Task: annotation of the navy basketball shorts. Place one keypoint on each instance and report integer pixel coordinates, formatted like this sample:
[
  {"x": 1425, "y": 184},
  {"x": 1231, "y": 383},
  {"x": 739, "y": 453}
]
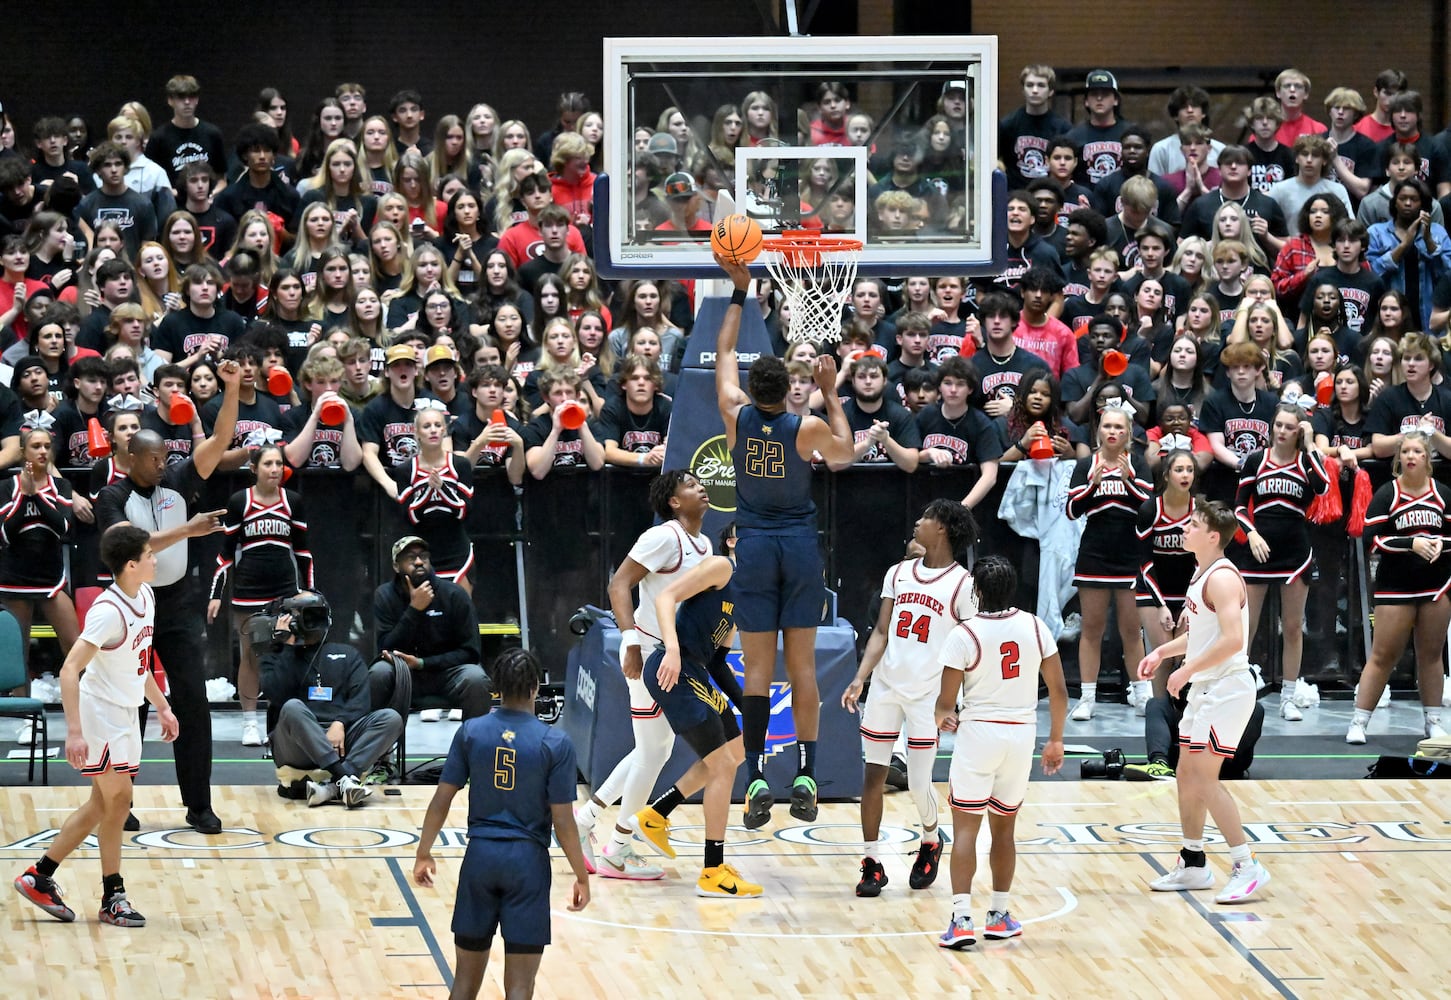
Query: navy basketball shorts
[
  {"x": 695, "y": 708},
  {"x": 778, "y": 582},
  {"x": 504, "y": 885}
]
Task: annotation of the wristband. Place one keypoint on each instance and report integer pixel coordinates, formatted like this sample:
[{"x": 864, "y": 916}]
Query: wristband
[
  {"x": 420, "y": 663},
  {"x": 630, "y": 639},
  {"x": 738, "y": 297}
]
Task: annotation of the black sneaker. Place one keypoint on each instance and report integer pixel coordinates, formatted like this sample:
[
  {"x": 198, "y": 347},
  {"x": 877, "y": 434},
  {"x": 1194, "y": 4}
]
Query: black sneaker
[
  {"x": 204, "y": 821},
  {"x": 132, "y": 824},
  {"x": 874, "y": 876},
  {"x": 803, "y": 798},
  {"x": 296, "y": 790},
  {"x": 897, "y": 774},
  {"x": 117, "y": 910},
  {"x": 758, "y": 805},
  {"x": 924, "y": 869}
]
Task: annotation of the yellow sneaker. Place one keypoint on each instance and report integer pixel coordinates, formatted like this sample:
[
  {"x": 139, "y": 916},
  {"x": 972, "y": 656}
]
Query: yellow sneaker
[
  {"x": 725, "y": 882},
  {"x": 655, "y": 829}
]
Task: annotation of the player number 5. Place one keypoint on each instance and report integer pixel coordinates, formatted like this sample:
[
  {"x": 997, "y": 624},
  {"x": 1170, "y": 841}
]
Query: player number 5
[{"x": 504, "y": 769}]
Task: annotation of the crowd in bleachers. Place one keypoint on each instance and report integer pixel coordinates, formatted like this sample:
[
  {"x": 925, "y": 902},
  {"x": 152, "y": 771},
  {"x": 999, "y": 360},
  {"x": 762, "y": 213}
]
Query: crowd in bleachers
[{"x": 381, "y": 273}]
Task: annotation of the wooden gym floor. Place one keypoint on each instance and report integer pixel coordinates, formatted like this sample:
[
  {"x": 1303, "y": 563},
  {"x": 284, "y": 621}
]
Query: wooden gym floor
[{"x": 293, "y": 902}]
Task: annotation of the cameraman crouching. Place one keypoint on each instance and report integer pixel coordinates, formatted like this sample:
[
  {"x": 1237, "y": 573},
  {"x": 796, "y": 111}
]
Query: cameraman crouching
[{"x": 318, "y": 711}]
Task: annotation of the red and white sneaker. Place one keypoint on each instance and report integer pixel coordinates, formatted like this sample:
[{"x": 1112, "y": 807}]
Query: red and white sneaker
[{"x": 44, "y": 893}]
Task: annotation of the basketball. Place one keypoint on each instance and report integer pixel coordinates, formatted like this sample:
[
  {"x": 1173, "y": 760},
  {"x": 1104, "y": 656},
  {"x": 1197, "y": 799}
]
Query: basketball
[{"x": 736, "y": 238}]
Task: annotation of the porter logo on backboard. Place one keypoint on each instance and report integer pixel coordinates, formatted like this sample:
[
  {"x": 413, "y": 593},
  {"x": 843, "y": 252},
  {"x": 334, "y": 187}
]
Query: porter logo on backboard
[{"x": 713, "y": 466}]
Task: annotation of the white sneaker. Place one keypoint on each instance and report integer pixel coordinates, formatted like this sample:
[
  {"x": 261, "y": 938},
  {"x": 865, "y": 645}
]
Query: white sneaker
[
  {"x": 252, "y": 735},
  {"x": 587, "y": 844},
  {"x": 25, "y": 735},
  {"x": 1083, "y": 711},
  {"x": 1355, "y": 735},
  {"x": 352, "y": 791},
  {"x": 1290, "y": 712},
  {"x": 1435, "y": 731},
  {"x": 431, "y": 715},
  {"x": 455, "y": 715},
  {"x": 1184, "y": 877},
  {"x": 626, "y": 864},
  {"x": 321, "y": 793},
  {"x": 1245, "y": 879}
]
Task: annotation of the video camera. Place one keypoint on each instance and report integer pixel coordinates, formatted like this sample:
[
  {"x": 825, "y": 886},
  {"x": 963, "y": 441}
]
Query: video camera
[
  {"x": 309, "y": 620},
  {"x": 1111, "y": 767}
]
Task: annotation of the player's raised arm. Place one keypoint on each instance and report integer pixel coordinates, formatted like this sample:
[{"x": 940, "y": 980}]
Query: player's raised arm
[
  {"x": 831, "y": 439},
  {"x": 728, "y": 393}
]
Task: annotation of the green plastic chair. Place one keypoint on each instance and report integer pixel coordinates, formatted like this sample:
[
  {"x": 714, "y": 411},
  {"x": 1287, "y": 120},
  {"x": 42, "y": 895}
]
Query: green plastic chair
[{"x": 13, "y": 675}]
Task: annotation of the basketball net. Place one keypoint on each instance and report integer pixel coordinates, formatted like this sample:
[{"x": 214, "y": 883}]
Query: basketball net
[{"x": 815, "y": 274}]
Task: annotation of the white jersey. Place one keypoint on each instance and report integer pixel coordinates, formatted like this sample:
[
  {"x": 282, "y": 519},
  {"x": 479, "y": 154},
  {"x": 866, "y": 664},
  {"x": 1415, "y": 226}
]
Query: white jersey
[
  {"x": 927, "y": 604},
  {"x": 665, "y": 550},
  {"x": 1000, "y": 655},
  {"x": 1204, "y": 624},
  {"x": 120, "y": 628}
]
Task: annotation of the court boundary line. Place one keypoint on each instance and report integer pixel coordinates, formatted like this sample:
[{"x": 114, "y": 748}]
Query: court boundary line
[
  {"x": 414, "y": 919},
  {"x": 1219, "y": 927}
]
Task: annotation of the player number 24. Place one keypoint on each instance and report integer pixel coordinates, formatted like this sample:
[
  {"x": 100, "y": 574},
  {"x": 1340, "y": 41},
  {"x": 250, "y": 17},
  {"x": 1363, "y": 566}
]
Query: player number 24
[
  {"x": 765, "y": 459},
  {"x": 907, "y": 627}
]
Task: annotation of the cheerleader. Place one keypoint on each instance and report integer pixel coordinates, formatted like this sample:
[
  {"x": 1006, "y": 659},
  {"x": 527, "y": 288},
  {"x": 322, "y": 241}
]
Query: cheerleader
[
  {"x": 265, "y": 555},
  {"x": 1276, "y": 488},
  {"x": 1107, "y": 489},
  {"x": 1167, "y": 568},
  {"x": 436, "y": 490},
  {"x": 1410, "y": 524},
  {"x": 35, "y": 521}
]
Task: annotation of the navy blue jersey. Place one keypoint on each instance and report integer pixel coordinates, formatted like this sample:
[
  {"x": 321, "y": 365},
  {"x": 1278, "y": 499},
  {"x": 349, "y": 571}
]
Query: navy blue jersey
[
  {"x": 704, "y": 622},
  {"x": 773, "y": 482},
  {"x": 516, "y": 767}
]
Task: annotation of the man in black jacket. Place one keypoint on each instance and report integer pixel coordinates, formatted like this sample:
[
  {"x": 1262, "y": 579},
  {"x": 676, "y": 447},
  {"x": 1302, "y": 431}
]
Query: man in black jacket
[
  {"x": 319, "y": 715},
  {"x": 428, "y": 638}
]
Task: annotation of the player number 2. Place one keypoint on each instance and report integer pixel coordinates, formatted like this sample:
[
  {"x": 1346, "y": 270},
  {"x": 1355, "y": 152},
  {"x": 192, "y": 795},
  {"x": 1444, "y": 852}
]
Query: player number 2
[
  {"x": 1010, "y": 660},
  {"x": 504, "y": 769},
  {"x": 907, "y": 628},
  {"x": 765, "y": 459}
]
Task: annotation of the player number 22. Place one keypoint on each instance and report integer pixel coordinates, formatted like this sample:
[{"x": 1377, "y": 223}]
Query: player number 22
[
  {"x": 504, "y": 769},
  {"x": 907, "y": 628},
  {"x": 1010, "y": 660},
  {"x": 765, "y": 459}
]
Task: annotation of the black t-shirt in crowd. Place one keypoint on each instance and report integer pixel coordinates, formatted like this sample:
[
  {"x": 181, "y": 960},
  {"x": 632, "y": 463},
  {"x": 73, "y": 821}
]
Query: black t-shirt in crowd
[
  {"x": 1023, "y": 144},
  {"x": 217, "y": 229},
  {"x": 901, "y": 426},
  {"x": 390, "y": 427},
  {"x": 241, "y": 197},
  {"x": 174, "y": 147},
  {"x": 261, "y": 415},
  {"x": 1103, "y": 152},
  {"x": 631, "y": 432},
  {"x": 130, "y": 212},
  {"x": 1360, "y": 291},
  {"x": 182, "y": 332},
  {"x": 972, "y": 438},
  {"x": 1199, "y": 216}
]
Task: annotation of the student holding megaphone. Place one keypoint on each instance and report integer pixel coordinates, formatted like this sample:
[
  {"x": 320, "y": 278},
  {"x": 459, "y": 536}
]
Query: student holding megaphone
[{"x": 1106, "y": 365}]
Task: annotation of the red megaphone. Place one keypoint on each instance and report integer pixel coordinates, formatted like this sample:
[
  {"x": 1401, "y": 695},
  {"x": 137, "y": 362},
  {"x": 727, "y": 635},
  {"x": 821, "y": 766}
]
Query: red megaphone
[
  {"x": 279, "y": 383},
  {"x": 497, "y": 417},
  {"x": 97, "y": 444},
  {"x": 1041, "y": 447},
  {"x": 1115, "y": 363},
  {"x": 572, "y": 415},
  {"x": 333, "y": 412},
  {"x": 1324, "y": 388},
  {"x": 182, "y": 410}
]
